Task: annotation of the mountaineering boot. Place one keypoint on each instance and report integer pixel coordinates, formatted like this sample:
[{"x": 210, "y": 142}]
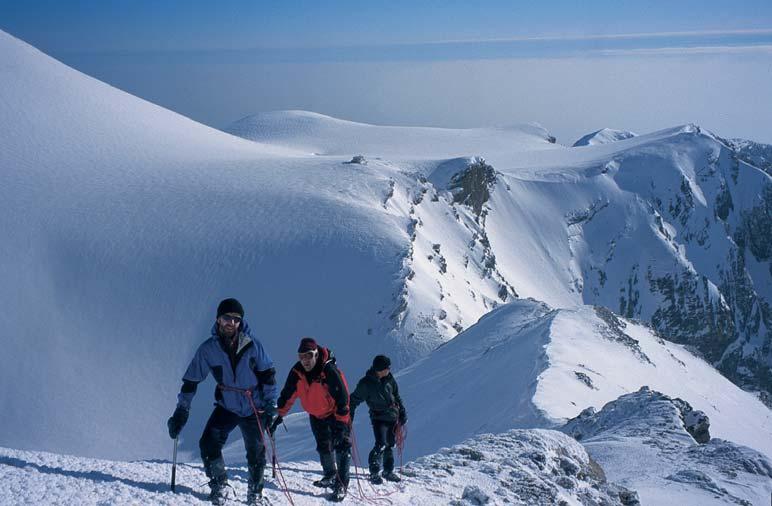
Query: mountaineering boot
[
  {"x": 218, "y": 481},
  {"x": 375, "y": 478},
  {"x": 255, "y": 487},
  {"x": 219, "y": 491},
  {"x": 328, "y": 468},
  {"x": 391, "y": 476},
  {"x": 338, "y": 492}
]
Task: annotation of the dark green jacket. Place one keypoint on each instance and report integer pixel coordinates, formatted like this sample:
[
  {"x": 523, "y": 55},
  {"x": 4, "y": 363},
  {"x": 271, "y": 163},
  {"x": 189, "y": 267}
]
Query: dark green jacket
[{"x": 381, "y": 396}]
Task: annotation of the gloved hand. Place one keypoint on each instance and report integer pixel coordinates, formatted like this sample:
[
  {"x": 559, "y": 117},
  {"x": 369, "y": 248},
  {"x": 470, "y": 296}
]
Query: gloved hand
[
  {"x": 177, "y": 421},
  {"x": 275, "y": 425},
  {"x": 270, "y": 411},
  {"x": 402, "y": 418}
]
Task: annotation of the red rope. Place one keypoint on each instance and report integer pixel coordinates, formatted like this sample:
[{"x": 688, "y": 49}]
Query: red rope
[
  {"x": 282, "y": 482},
  {"x": 400, "y": 434},
  {"x": 380, "y": 496}
]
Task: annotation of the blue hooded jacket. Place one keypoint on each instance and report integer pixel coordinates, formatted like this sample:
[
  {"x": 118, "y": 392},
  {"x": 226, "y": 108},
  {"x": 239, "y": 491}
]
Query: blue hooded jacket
[{"x": 253, "y": 370}]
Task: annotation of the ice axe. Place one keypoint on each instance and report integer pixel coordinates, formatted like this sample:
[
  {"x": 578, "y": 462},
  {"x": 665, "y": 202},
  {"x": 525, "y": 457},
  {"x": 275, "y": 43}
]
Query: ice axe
[
  {"x": 273, "y": 456},
  {"x": 174, "y": 467}
]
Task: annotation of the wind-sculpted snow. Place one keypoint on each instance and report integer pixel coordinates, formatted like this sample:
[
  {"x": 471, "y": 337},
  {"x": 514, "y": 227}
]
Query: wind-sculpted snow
[
  {"x": 324, "y": 135},
  {"x": 641, "y": 441},
  {"x": 603, "y": 136}
]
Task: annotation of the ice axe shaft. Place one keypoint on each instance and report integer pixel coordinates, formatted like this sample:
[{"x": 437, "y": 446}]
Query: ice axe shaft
[
  {"x": 273, "y": 457},
  {"x": 174, "y": 467}
]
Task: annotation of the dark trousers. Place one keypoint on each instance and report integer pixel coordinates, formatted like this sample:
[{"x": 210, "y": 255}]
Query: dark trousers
[
  {"x": 219, "y": 425},
  {"x": 385, "y": 439},
  {"x": 333, "y": 436}
]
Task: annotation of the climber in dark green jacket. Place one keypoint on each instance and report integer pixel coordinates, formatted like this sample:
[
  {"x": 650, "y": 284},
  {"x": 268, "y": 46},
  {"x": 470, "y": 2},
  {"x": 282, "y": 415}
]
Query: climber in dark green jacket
[{"x": 379, "y": 390}]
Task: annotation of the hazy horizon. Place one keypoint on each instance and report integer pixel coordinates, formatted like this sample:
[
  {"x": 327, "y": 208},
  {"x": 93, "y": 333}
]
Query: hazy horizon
[{"x": 573, "y": 70}]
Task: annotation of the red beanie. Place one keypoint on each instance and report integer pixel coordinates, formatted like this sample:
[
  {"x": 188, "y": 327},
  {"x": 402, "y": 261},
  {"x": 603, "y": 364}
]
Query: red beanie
[{"x": 307, "y": 344}]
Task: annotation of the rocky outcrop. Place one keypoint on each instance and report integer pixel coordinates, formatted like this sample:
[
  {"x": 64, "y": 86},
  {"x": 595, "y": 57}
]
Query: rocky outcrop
[
  {"x": 472, "y": 186},
  {"x": 535, "y": 467},
  {"x": 671, "y": 441}
]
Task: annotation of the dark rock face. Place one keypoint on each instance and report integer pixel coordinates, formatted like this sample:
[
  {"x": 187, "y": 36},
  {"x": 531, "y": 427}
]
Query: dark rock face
[
  {"x": 690, "y": 315},
  {"x": 753, "y": 153},
  {"x": 715, "y": 215},
  {"x": 472, "y": 186},
  {"x": 697, "y": 424}
]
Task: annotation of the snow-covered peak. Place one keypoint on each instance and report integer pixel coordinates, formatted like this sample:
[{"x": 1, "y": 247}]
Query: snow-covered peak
[
  {"x": 604, "y": 136},
  {"x": 526, "y": 365},
  {"x": 324, "y": 135},
  {"x": 52, "y": 113}
]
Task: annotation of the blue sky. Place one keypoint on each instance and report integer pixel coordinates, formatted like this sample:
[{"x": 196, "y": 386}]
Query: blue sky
[
  {"x": 444, "y": 63},
  {"x": 59, "y": 26}
]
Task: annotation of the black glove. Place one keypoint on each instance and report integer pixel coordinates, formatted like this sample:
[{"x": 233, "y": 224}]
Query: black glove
[
  {"x": 177, "y": 422},
  {"x": 402, "y": 418},
  {"x": 275, "y": 425}
]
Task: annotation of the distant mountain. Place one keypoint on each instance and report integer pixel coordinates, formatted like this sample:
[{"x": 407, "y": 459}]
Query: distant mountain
[{"x": 604, "y": 136}]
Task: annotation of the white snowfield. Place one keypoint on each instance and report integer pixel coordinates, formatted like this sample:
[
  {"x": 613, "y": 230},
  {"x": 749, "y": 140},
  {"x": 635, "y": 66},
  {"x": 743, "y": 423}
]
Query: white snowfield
[
  {"x": 126, "y": 223},
  {"x": 537, "y": 467}
]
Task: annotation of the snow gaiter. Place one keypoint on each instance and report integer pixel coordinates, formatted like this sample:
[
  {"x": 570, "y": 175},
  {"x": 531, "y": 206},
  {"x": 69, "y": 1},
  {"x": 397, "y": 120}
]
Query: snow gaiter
[
  {"x": 374, "y": 459},
  {"x": 328, "y": 464},
  {"x": 256, "y": 478},
  {"x": 215, "y": 469},
  {"x": 344, "y": 462},
  {"x": 388, "y": 460}
]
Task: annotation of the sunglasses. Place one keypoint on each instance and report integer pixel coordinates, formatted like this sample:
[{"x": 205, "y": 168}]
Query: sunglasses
[
  {"x": 230, "y": 319},
  {"x": 307, "y": 355}
]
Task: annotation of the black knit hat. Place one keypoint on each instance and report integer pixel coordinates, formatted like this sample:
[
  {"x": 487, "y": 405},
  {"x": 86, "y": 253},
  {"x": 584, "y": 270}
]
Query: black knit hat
[
  {"x": 381, "y": 362},
  {"x": 307, "y": 344},
  {"x": 230, "y": 306}
]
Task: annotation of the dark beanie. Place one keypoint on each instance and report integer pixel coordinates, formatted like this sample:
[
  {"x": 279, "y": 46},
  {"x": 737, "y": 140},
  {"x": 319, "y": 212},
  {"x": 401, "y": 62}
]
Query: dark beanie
[
  {"x": 307, "y": 344},
  {"x": 381, "y": 362},
  {"x": 230, "y": 306}
]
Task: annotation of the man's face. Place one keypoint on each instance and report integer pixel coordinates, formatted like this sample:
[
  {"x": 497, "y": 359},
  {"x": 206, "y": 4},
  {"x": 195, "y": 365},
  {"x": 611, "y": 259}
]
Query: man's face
[
  {"x": 308, "y": 359},
  {"x": 384, "y": 373},
  {"x": 228, "y": 324}
]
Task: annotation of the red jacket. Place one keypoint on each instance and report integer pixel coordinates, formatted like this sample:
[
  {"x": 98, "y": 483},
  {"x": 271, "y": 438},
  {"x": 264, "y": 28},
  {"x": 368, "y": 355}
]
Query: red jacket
[{"x": 323, "y": 391}]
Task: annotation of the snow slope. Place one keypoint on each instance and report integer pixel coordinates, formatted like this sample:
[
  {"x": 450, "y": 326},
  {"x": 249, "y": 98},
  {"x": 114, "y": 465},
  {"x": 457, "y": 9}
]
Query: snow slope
[
  {"x": 536, "y": 467},
  {"x": 130, "y": 223},
  {"x": 324, "y": 135},
  {"x": 526, "y": 365}
]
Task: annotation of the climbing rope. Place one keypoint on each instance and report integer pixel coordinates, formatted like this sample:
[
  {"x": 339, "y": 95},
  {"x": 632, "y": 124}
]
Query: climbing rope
[{"x": 248, "y": 394}]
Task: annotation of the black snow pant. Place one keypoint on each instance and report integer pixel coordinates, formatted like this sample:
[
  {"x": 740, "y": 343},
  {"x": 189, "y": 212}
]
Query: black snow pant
[
  {"x": 385, "y": 439},
  {"x": 332, "y": 435},
  {"x": 220, "y": 424}
]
